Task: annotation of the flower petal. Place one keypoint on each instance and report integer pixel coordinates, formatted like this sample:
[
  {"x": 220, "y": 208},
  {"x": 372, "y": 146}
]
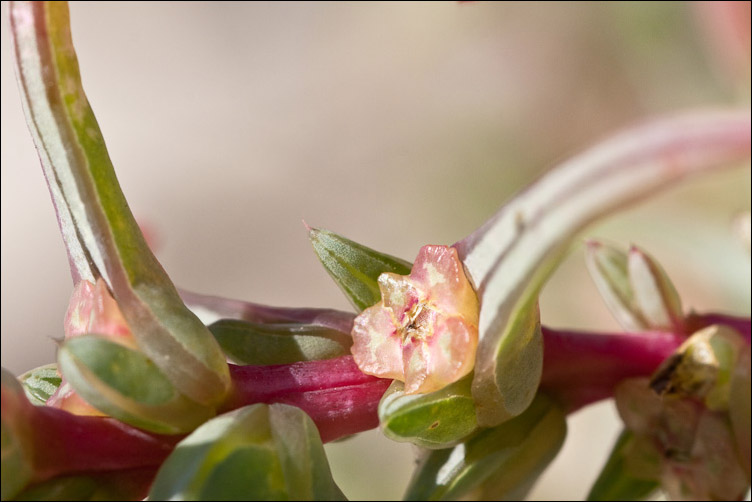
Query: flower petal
[
  {"x": 446, "y": 355},
  {"x": 398, "y": 293},
  {"x": 438, "y": 271},
  {"x": 92, "y": 309},
  {"x": 376, "y": 343}
]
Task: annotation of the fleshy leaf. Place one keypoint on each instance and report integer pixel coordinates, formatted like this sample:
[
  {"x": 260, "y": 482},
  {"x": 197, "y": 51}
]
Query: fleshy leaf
[
  {"x": 40, "y": 383},
  {"x": 510, "y": 257},
  {"x": 126, "y": 385},
  {"x": 100, "y": 233},
  {"x": 500, "y": 463},
  {"x": 608, "y": 268},
  {"x": 211, "y": 309},
  {"x": 436, "y": 420},
  {"x": 355, "y": 268},
  {"x": 615, "y": 481},
  {"x": 17, "y": 462},
  {"x": 635, "y": 288},
  {"x": 259, "y": 452},
  {"x": 266, "y": 344},
  {"x": 654, "y": 292}
]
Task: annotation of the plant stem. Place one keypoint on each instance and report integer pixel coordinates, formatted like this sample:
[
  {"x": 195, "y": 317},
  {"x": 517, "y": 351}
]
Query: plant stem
[
  {"x": 339, "y": 398},
  {"x": 580, "y": 368},
  {"x": 696, "y": 322}
]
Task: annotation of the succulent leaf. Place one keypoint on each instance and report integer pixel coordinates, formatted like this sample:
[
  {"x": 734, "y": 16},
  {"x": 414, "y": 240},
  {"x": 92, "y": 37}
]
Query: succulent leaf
[
  {"x": 616, "y": 482},
  {"x": 510, "y": 257},
  {"x": 101, "y": 235},
  {"x": 500, "y": 463},
  {"x": 40, "y": 383},
  {"x": 126, "y": 385},
  {"x": 354, "y": 267},
  {"x": 267, "y": 344},
  {"x": 435, "y": 420},
  {"x": 259, "y": 452}
]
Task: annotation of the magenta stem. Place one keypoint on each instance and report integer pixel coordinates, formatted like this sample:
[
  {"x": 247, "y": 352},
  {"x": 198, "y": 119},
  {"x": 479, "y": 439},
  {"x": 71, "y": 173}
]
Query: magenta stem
[
  {"x": 99, "y": 443},
  {"x": 339, "y": 398},
  {"x": 696, "y": 322},
  {"x": 579, "y": 368}
]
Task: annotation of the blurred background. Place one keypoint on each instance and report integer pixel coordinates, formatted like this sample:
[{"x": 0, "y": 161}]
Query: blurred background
[{"x": 394, "y": 124}]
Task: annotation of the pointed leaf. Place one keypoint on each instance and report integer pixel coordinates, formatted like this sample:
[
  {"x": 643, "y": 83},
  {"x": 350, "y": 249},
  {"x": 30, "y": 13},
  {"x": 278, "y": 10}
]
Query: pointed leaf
[
  {"x": 435, "y": 420},
  {"x": 608, "y": 268},
  {"x": 654, "y": 292},
  {"x": 214, "y": 308},
  {"x": 355, "y": 268},
  {"x": 267, "y": 344},
  {"x": 40, "y": 383},
  {"x": 615, "y": 481},
  {"x": 510, "y": 257},
  {"x": 126, "y": 385},
  {"x": 635, "y": 288},
  {"x": 99, "y": 230},
  {"x": 500, "y": 463},
  {"x": 259, "y": 452}
]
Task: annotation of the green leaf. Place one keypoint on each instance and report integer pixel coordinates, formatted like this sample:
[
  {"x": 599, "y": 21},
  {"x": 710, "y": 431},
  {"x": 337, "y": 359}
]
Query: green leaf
[
  {"x": 15, "y": 438},
  {"x": 608, "y": 268},
  {"x": 40, "y": 383},
  {"x": 635, "y": 288},
  {"x": 517, "y": 369},
  {"x": 500, "y": 463},
  {"x": 266, "y": 344},
  {"x": 211, "y": 309},
  {"x": 259, "y": 452},
  {"x": 435, "y": 420},
  {"x": 615, "y": 481},
  {"x": 126, "y": 385},
  {"x": 654, "y": 292},
  {"x": 100, "y": 233},
  {"x": 355, "y": 268},
  {"x": 510, "y": 257}
]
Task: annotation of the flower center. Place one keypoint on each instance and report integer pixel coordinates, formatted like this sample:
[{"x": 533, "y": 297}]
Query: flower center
[{"x": 416, "y": 322}]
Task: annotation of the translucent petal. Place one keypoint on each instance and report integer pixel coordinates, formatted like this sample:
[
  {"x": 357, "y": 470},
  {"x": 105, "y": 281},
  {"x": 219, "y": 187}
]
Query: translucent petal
[
  {"x": 446, "y": 355},
  {"x": 439, "y": 272},
  {"x": 398, "y": 293},
  {"x": 92, "y": 309},
  {"x": 377, "y": 345}
]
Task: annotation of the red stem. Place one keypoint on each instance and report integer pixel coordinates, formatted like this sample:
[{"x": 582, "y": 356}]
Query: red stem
[
  {"x": 579, "y": 369},
  {"x": 582, "y": 368},
  {"x": 695, "y": 322},
  {"x": 339, "y": 398},
  {"x": 64, "y": 442}
]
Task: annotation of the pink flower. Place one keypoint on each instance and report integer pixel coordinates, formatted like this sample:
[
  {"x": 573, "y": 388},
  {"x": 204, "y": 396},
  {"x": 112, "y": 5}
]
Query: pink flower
[
  {"x": 91, "y": 309},
  {"x": 424, "y": 332}
]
